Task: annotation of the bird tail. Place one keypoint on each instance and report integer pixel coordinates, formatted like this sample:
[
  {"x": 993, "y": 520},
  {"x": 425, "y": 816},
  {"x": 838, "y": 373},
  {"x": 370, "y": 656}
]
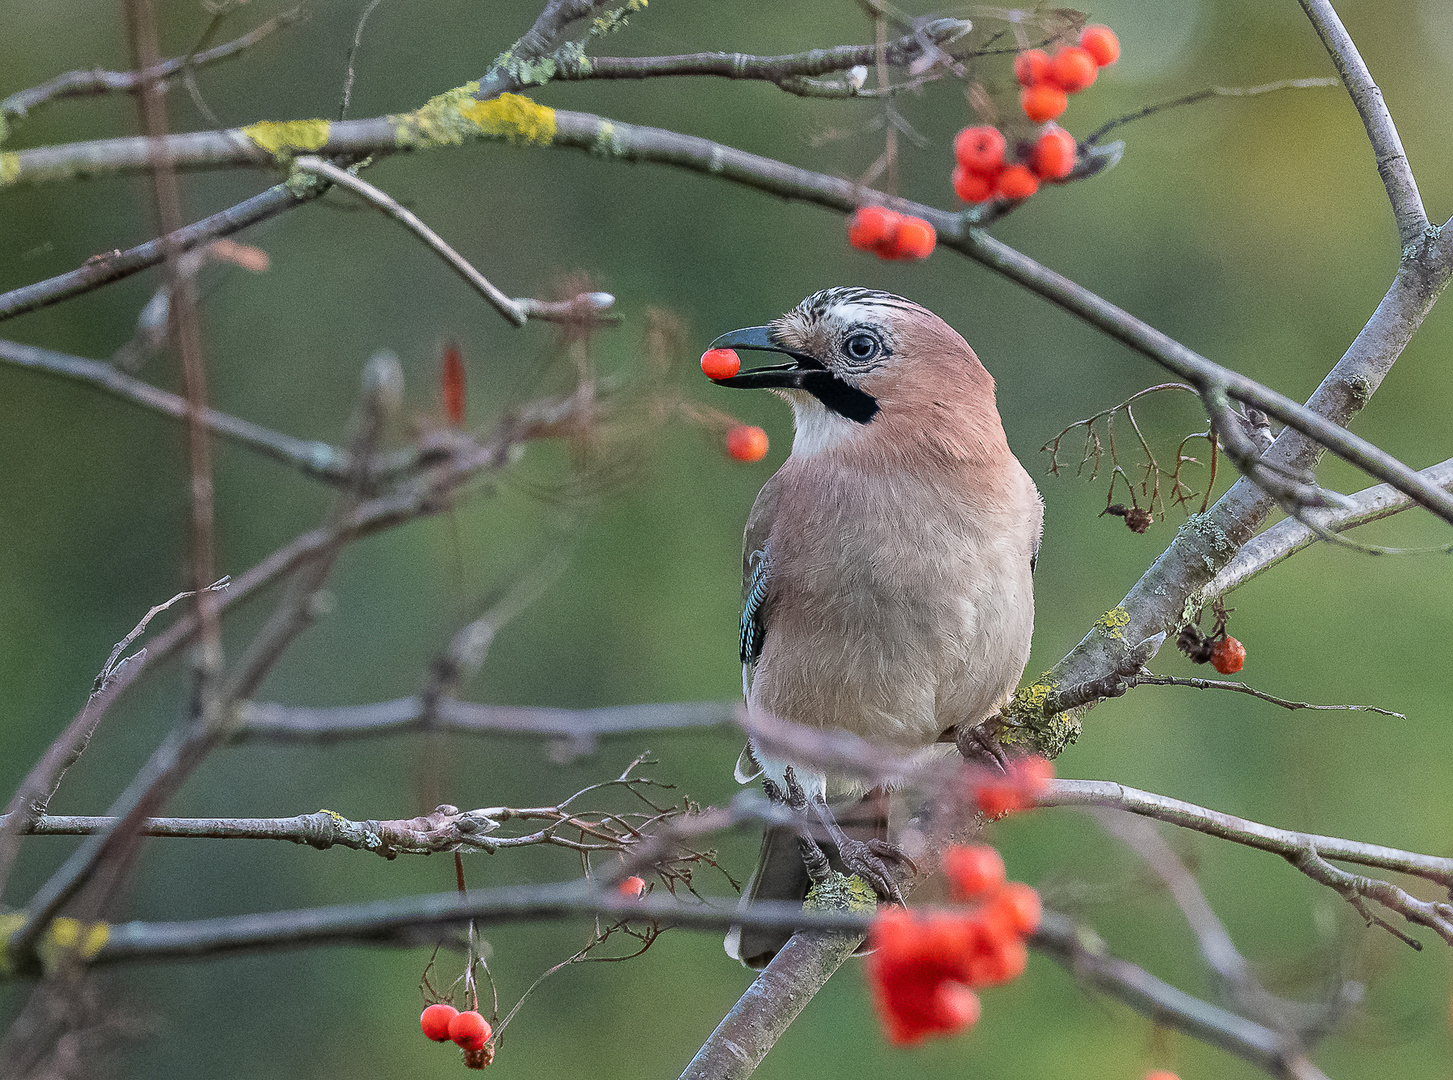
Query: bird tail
[{"x": 782, "y": 875}]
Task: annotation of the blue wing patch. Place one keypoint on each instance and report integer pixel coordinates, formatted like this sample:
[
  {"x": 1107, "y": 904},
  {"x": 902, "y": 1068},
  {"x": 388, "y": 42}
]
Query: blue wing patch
[{"x": 754, "y": 629}]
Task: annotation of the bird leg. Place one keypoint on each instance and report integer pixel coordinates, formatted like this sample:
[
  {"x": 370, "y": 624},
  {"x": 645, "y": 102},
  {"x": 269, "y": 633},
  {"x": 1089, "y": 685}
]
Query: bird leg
[
  {"x": 866, "y": 858},
  {"x": 818, "y": 867}
]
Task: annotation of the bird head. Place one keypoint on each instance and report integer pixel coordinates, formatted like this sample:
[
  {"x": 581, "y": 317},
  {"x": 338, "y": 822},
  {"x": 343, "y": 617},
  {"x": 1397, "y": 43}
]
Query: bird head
[{"x": 866, "y": 365}]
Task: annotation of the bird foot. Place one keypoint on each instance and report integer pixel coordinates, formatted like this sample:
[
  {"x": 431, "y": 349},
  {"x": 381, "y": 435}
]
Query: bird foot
[
  {"x": 877, "y": 863},
  {"x": 977, "y": 744},
  {"x": 819, "y": 868}
]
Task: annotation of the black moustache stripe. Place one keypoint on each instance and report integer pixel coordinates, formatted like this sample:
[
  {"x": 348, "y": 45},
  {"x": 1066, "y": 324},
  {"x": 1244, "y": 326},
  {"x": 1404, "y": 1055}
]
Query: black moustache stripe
[{"x": 838, "y": 396}]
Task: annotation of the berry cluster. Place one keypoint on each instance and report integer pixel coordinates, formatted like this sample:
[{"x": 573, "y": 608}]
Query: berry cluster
[
  {"x": 983, "y": 169},
  {"x": 924, "y": 967},
  {"x": 890, "y": 235},
  {"x": 442, "y": 1022},
  {"x": 1016, "y": 788}
]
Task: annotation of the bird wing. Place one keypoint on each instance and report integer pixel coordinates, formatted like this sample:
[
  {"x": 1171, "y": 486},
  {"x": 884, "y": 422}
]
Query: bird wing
[{"x": 756, "y": 581}]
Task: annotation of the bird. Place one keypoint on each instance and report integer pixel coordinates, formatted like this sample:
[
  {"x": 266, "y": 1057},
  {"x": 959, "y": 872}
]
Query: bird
[{"x": 887, "y": 566}]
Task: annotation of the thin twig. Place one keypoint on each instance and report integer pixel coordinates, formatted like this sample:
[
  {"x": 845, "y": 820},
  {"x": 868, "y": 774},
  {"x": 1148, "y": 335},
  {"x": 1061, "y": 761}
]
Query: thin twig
[
  {"x": 1241, "y": 688},
  {"x": 1205, "y": 95},
  {"x": 95, "y": 81},
  {"x": 307, "y": 456},
  {"x": 353, "y": 52}
]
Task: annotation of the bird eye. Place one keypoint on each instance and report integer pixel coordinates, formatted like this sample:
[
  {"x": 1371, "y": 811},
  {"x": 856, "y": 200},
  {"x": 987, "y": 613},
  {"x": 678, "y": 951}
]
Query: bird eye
[{"x": 863, "y": 347}]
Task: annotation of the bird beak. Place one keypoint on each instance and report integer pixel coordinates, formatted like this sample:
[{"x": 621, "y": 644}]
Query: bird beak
[
  {"x": 804, "y": 373},
  {"x": 778, "y": 375}
]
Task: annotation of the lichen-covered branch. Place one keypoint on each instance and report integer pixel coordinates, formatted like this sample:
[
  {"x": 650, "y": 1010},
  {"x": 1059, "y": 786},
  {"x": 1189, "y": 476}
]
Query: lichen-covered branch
[{"x": 1387, "y": 146}]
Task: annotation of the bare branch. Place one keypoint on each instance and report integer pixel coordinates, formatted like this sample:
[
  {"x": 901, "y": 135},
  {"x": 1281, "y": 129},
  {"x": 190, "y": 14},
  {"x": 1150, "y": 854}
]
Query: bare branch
[
  {"x": 578, "y": 729},
  {"x": 511, "y": 309},
  {"x": 1387, "y": 147},
  {"x": 1286, "y": 538},
  {"x": 312, "y": 458},
  {"x": 1205, "y": 95},
  {"x": 1084, "y": 954},
  {"x": 1148, "y": 679},
  {"x": 96, "y": 82}
]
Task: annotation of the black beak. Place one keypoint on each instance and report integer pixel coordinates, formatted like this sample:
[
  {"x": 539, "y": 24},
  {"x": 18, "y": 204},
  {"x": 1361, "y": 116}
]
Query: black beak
[{"x": 803, "y": 373}]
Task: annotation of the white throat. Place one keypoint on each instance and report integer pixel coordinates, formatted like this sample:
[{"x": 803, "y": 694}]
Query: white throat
[{"x": 818, "y": 428}]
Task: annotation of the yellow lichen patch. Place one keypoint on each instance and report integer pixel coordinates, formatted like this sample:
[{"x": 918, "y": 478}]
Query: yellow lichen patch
[
  {"x": 1029, "y": 700},
  {"x": 283, "y": 138},
  {"x": 513, "y": 117},
  {"x": 71, "y": 936},
  {"x": 1113, "y": 622},
  {"x": 9, "y": 167},
  {"x": 842, "y": 893}
]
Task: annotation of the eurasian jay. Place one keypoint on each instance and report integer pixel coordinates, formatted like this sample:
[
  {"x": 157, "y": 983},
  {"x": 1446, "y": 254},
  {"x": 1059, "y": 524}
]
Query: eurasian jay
[{"x": 887, "y": 566}]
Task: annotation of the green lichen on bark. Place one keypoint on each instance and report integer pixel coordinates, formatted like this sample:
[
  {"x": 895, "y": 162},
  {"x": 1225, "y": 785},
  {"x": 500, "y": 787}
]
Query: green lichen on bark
[{"x": 839, "y": 892}]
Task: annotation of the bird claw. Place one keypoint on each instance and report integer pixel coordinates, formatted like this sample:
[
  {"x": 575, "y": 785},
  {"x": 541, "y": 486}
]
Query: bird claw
[
  {"x": 976, "y": 744},
  {"x": 869, "y": 860}
]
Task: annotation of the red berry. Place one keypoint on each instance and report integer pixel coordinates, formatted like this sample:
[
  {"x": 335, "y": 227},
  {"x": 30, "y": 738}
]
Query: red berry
[
  {"x": 1228, "y": 656},
  {"x": 913, "y": 239},
  {"x": 470, "y": 1030},
  {"x": 1101, "y": 43},
  {"x": 745, "y": 442},
  {"x": 1073, "y": 69},
  {"x": 1161, "y": 1074},
  {"x": 1041, "y": 103},
  {"x": 1002, "y": 961},
  {"x": 972, "y": 187},
  {"x": 1017, "y": 905},
  {"x": 435, "y": 1021},
  {"x": 631, "y": 886},
  {"x": 872, "y": 227},
  {"x": 975, "y": 870},
  {"x": 1031, "y": 67},
  {"x": 1017, "y": 182},
  {"x": 980, "y": 149},
  {"x": 720, "y": 363},
  {"x": 1053, "y": 156}
]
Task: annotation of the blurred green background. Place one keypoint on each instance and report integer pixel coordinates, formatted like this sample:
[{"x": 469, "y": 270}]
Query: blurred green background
[{"x": 1256, "y": 231}]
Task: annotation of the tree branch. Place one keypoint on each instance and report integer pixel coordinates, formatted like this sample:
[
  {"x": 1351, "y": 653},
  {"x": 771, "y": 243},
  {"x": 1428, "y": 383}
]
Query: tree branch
[
  {"x": 312, "y": 458},
  {"x": 95, "y": 81},
  {"x": 1387, "y": 147},
  {"x": 1286, "y": 538}
]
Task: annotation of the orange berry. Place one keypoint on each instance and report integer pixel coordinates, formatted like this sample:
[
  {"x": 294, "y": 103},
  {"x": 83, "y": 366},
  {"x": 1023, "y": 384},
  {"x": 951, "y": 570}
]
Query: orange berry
[
  {"x": 1073, "y": 69},
  {"x": 1017, "y": 182},
  {"x": 872, "y": 227},
  {"x": 435, "y": 1021},
  {"x": 746, "y": 442},
  {"x": 631, "y": 886},
  {"x": 1018, "y": 906},
  {"x": 913, "y": 239},
  {"x": 720, "y": 363},
  {"x": 973, "y": 187},
  {"x": 1031, "y": 67},
  {"x": 1161, "y": 1074},
  {"x": 1043, "y": 102},
  {"x": 1228, "y": 655},
  {"x": 1053, "y": 156},
  {"x": 470, "y": 1030},
  {"x": 974, "y": 869},
  {"x": 980, "y": 149},
  {"x": 1101, "y": 43}
]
